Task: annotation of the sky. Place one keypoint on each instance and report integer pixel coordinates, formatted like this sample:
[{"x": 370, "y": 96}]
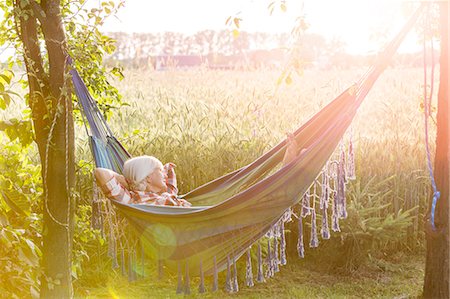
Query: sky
[{"x": 363, "y": 25}]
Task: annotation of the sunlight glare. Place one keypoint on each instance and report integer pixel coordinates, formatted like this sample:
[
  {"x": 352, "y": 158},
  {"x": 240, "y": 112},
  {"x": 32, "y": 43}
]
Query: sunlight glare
[{"x": 113, "y": 294}]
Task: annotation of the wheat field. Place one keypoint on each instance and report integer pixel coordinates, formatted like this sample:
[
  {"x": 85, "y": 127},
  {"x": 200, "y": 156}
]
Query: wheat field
[{"x": 176, "y": 114}]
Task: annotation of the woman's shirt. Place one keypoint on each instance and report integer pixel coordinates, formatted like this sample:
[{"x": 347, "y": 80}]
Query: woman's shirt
[{"x": 116, "y": 191}]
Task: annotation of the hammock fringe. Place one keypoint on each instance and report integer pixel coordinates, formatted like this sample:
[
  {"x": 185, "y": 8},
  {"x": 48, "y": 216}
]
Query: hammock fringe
[
  {"x": 201, "y": 287},
  {"x": 187, "y": 281},
  {"x": 249, "y": 273},
  {"x": 215, "y": 279}
]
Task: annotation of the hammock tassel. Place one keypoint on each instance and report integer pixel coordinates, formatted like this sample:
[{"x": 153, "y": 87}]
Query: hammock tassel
[
  {"x": 334, "y": 218},
  {"x": 113, "y": 246},
  {"x": 324, "y": 200},
  {"x": 228, "y": 286},
  {"x": 275, "y": 260},
  {"x": 282, "y": 245},
  {"x": 160, "y": 269},
  {"x": 123, "y": 262},
  {"x": 96, "y": 216},
  {"x": 180, "y": 280},
  {"x": 201, "y": 287},
  {"x": 351, "y": 169},
  {"x": 300, "y": 246},
  {"x": 306, "y": 210},
  {"x": 235, "y": 284},
  {"x": 131, "y": 276},
  {"x": 342, "y": 209},
  {"x": 187, "y": 287},
  {"x": 249, "y": 272},
  {"x": 142, "y": 260},
  {"x": 115, "y": 262},
  {"x": 215, "y": 279},
  {"x": 269, "y": 271},
  {"x": 135, "y": 261},
  {"x": 325, "y": 194},
  {"x": 260, "y": 277},
  {"x": 314, "y": 241},
  {"x": 325, "y": 231}
]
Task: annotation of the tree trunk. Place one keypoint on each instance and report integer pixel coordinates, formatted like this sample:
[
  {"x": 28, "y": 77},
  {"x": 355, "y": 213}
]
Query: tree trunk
[
  {"x": 436, "y": 284},
  {"x": 58, "y": 218},
  {"x": 51, "y": 106}
]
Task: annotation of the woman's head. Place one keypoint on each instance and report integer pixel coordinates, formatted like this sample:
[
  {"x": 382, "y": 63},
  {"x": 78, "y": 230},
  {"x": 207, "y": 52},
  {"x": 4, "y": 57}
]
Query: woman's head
[{"x": 145, "y": 173}]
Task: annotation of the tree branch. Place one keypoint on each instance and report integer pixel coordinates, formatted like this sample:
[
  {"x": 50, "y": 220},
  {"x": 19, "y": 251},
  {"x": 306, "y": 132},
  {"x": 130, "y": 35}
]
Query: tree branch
[
  {"x": 37, "y": 78},
  {"x": 38, "y": 11}
]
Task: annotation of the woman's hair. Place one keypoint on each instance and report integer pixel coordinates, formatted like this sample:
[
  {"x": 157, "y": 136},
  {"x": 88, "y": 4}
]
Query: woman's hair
[{"x": 137, "y": 169}]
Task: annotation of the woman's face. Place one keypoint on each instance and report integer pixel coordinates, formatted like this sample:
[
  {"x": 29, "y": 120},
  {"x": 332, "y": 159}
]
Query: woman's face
[{"x": 157, "y": 181}]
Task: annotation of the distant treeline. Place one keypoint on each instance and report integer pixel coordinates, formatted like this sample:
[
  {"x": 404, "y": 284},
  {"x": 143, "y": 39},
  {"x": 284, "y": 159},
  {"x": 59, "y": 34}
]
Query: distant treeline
[{"x": 220, "y": 49}]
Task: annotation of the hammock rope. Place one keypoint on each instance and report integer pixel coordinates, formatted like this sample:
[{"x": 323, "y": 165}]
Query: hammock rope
[
  {"x": 236, "y": 210},
  {"x": 427, "y": 99}
]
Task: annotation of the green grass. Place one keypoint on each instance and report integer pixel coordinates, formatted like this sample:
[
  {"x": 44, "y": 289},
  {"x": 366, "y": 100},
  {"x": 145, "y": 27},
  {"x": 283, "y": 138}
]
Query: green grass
[{"x": 401, "y": 276}]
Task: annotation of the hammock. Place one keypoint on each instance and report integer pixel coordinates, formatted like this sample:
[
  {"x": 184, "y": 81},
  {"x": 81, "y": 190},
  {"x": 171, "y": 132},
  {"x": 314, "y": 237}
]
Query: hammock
[{"x": 232, "y": 212}]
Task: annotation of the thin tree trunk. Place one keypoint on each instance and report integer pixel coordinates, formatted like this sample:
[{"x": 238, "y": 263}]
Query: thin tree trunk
[
  {"x": 436, "y": 284},
  {"x": 51, "y": 107},
  {"x": 58, "y": 213}
]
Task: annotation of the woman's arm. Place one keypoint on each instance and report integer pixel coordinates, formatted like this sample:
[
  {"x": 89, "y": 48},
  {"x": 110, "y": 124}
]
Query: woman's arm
[
  {"x": 171, "y": 178},
  {"x": 104, "y": 175},
  {"x": 112, "y": 184}
]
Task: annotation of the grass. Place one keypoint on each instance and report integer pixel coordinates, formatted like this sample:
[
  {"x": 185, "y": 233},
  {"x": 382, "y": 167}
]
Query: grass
[{"x": 400, "y": 276}]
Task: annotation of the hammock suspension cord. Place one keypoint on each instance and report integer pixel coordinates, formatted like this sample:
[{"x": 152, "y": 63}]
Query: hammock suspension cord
[{"x": 427, "y": 108}]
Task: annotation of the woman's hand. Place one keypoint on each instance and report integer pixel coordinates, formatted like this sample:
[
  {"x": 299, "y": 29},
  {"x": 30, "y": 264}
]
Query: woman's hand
[
  {"x": 185, "y": 203},
  {"x": 291, "y": 149}
]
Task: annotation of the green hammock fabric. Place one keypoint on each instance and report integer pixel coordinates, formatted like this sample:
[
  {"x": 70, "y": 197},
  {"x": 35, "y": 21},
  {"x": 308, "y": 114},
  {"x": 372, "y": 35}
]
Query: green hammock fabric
[{"x": 232, "y": 212}]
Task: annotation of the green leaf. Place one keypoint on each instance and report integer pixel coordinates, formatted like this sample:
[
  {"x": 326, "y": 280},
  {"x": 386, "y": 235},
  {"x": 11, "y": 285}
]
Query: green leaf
[
  {"x": 117, "y": 72},
  {"x": 16, "y": 201},
  {"x": 237, "y": 22},
  {"x": 227, "y": 22},
  {"x": 235, "y": 33},
  {"x": 271, "y": 7},
  {"x": 6, "y": 78},
  {"x": 280, "y": 79},
  {"x": 6, "y": 99},
  {"x": 288, "y": 80},
  {"x": 27, "y": 255}
]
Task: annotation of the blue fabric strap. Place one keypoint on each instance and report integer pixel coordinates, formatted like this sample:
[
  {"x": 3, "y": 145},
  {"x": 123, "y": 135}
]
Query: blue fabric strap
[{"x": 427, "y": 104}]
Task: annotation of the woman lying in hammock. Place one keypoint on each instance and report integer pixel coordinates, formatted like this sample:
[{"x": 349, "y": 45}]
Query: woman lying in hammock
[{"x": 147, "y": 181}]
